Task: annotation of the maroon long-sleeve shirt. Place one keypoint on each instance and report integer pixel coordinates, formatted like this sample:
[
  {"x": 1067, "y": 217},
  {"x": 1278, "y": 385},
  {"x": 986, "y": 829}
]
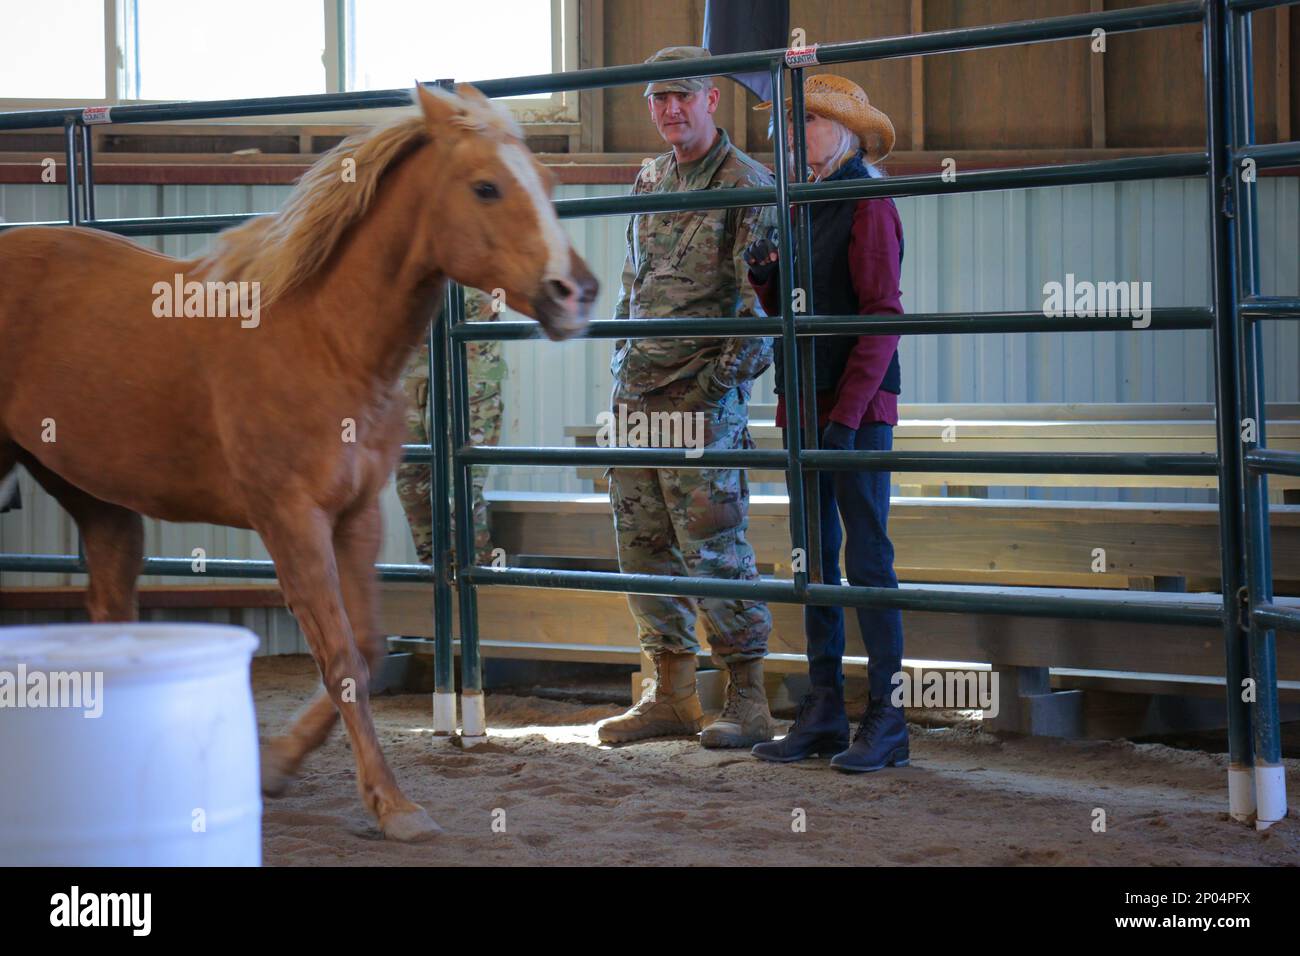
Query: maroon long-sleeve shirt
[{"x": 874, "y": 268}]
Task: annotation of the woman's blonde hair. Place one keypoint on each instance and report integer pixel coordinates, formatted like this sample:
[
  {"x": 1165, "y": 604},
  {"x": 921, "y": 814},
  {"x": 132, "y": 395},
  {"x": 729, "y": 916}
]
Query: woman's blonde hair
[{"x": 846, "y": 147}]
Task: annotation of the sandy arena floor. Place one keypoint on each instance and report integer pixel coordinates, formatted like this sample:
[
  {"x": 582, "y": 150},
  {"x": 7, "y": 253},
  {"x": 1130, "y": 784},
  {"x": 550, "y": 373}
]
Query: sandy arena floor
[{"x": 969, "y": 798}]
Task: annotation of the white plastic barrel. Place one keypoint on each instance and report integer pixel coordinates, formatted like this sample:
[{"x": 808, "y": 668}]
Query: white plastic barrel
[{"x": 165, "y": 775}]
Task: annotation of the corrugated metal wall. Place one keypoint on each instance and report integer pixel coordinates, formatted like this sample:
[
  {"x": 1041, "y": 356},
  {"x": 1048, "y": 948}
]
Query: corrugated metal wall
[
  {"x": 971, "y": 252},
  {"x": 276, "y": 628}
]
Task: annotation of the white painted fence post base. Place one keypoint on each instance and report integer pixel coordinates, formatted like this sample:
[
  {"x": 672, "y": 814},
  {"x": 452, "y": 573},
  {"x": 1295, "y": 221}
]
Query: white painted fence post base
[
  {"x": 444, "y": 714},
  {"x": 1270, "y": 793},
  {"x": 1241, "y": 793},
  {"x": 473, "y": 729}
]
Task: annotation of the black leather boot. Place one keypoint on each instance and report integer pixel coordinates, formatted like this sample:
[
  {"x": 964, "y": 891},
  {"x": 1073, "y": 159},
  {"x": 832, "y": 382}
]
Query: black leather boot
[
  {"x": 880, "y": 742},
  {"x": 821, "y": 728}
]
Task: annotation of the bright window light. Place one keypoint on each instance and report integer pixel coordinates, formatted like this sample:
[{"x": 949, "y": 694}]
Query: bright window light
[
  {"x": 224, "y": 49},
  {"x": 394, "y": 42},
  {"x": 53, "y": 49}
]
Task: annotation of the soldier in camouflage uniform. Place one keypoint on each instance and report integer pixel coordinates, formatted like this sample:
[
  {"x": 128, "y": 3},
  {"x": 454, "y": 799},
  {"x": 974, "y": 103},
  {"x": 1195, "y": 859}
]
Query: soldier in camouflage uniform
[
  {"x": 487, "y": 371},
  {"x": 691, "y": 521}
]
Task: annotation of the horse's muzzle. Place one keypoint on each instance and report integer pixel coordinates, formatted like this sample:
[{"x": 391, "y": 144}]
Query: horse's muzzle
[{"x": 563, "y": 305}]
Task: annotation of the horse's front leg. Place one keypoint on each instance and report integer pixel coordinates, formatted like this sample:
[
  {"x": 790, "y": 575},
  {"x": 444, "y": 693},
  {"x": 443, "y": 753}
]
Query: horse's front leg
[
  {"x": 357, "y": 539},
  {"x": 301, "y": 544}
]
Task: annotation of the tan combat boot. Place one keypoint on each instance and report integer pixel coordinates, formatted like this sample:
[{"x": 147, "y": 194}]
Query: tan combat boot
[
  {"x": 745, "y": 719},
  {"x": 670, "y": 706}
]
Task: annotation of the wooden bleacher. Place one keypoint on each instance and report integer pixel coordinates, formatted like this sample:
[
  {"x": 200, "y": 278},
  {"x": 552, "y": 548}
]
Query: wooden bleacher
[
  {"x": 1078, "y": 427},
  {"x": 958, "y": 540},
  {"x": 546, "y": 624},
  {"x": 1138, "y": 679},
  {"x": 972, "y": 541}
]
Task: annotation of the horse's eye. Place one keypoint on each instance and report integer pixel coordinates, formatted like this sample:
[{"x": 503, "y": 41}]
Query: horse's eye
[{"x": 486, "y": 191}]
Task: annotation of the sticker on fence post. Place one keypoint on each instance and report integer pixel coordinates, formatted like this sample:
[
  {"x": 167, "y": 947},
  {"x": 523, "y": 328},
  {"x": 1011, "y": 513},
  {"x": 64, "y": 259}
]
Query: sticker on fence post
[
  {"x": 798, "y": 56},
  {"x": 92, "y": 115}
]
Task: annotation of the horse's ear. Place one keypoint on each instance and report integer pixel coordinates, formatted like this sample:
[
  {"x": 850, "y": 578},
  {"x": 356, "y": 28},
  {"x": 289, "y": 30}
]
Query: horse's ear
[
  {"x": 472, "y": 92},
  {"x": 438, "y": 106}
]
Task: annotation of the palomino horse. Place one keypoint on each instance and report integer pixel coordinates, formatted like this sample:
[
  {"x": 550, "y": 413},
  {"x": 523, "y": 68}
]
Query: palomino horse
[{"x": 289, "y": 424}]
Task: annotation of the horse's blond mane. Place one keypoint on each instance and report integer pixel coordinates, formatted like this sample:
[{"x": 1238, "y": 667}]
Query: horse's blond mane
[{"x": 282, "y": 250}]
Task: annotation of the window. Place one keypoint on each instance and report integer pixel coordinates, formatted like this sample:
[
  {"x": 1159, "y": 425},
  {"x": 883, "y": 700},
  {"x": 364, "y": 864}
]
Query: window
[
  {"x": 52, "y": 50},
  {"x": 91, "y": 52},
  {"x": 222, "y": 49},
  {"x": 390, "y": 42}
]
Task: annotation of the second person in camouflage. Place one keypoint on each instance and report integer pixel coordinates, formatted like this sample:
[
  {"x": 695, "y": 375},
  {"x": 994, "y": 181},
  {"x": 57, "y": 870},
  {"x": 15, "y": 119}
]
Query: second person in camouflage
[{"x": 487, "y": 373}]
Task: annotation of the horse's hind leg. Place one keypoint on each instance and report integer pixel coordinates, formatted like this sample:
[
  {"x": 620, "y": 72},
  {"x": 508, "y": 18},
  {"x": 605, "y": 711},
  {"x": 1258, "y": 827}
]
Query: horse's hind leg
[
  {"x": 282, "y": 756},
  {"x": 301, "y": 543},
  {"x": 356, "y": 545},
  {"x": 113, "y": 539}
]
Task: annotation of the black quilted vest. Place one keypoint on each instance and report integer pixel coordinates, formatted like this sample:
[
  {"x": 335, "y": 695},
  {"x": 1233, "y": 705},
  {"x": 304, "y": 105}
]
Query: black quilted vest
[{"x": 832, "y": 224}]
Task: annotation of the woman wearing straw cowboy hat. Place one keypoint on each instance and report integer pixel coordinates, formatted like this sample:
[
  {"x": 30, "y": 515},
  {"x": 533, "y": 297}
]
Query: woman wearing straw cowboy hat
[{"x": 857, "y": 248}]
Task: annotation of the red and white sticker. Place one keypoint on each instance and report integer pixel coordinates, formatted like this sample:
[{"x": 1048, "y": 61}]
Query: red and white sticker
[
  {"x": 798, "y": 56},
  {"x": 96, "y": 114}
]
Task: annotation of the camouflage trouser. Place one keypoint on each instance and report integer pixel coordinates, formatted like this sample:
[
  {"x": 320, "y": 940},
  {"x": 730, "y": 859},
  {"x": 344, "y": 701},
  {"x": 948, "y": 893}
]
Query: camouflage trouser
[
  {"x": 690, "y": 521},
  {"x": 486, "y": 372}
]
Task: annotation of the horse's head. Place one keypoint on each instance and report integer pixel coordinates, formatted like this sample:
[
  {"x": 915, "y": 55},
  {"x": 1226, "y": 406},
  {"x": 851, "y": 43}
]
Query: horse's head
[{"x": 499, "y": 225}]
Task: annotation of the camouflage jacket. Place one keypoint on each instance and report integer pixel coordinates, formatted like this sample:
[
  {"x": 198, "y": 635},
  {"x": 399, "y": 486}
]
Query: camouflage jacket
[
  {"x": 487, "y": 368},
  {"x": 691, "y": 264}
]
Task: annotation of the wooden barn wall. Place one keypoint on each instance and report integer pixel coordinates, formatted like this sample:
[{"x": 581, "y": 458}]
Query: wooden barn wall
[{"x": 1023, "y": 97}]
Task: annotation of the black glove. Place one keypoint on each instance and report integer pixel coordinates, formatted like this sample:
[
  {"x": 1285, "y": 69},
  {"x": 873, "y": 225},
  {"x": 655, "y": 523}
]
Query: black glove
[
  {"x": 840, "y": 437},
  {"x": 761, "y": 257}
]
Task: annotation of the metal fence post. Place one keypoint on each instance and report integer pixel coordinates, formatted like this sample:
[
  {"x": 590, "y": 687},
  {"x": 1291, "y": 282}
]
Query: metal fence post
[
  {"x": 1241, "y": 790},
  {"x": 809, "y": 413},
  {"x": 789, "y": 341},
  {"x": 70, "y": 152},
  {"x": 440, "y": 465},
  {"x": 74, "y": 219},
  {"x": 472, "y": 713},
  {"x": 1269, "y": 773},
  {"x": 88, "y": 172}
]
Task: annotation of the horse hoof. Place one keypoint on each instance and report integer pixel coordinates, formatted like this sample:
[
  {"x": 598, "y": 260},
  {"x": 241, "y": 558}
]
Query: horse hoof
[
  {"x": 276, "y": 774},
  {"x": 409, "y": 826}
]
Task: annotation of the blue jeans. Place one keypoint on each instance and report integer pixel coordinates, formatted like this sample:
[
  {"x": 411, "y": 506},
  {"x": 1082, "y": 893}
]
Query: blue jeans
[{"x": 861, "y": 499}]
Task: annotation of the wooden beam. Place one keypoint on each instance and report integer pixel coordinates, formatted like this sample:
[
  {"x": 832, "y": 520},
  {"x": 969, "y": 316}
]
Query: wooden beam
[
  {"x": 601, "y": 619},
  {"x": 980, "y": 540},
  {"x": 591, "y": 54},
  {"x": 916, "y": 24},
  {"x": 855, "y": 668},
  {"x": 1282, "y": 46},
  {"x": 1097, "y": 87},
  {"x": 740, "y": 116}
]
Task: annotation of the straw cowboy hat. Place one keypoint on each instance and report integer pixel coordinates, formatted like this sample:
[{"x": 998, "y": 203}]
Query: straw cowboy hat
[{"x": 835, "y": 97}]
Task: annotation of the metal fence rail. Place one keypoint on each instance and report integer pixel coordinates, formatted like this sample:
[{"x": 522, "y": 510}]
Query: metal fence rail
[{"x": 1245, "y": 610}]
